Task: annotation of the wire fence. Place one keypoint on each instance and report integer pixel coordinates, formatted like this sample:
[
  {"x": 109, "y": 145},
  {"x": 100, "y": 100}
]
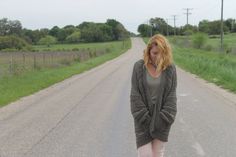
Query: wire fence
[{"x": 16, "y": 63}]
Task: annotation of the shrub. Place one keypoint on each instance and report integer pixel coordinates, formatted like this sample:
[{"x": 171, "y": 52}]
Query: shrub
[
  {"x": 208, "y": 47},
  {"x": 13, "y": 42},
  {"x": 199, "y": 40},
  {"x": 47, "y": 40},
  {"x": 74, "y": 37}
]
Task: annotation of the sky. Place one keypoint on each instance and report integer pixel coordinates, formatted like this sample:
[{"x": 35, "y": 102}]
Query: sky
[{"x": 36, "y": 14}]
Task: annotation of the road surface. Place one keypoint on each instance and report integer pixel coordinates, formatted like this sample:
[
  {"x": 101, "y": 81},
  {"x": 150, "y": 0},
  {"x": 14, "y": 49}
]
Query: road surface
[{"x": 88, "y": 115}]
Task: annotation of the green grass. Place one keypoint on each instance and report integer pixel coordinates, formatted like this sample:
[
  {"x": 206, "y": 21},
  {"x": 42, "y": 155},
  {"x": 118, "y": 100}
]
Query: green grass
[
  {"x": 69, "y": 47},
  {"x": 214, "y": 67},
  {"x": 145, "y": 39},
  {"x": 229, "y": 39},
  {"x": 15, "y": 87}
]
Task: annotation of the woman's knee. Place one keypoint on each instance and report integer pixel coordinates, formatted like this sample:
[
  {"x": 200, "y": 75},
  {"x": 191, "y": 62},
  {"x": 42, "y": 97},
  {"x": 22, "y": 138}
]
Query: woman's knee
[
  {"x": 158, "y": 148},
  {"x": 145, "y": 150},
  {"x": 145, "y": 154}
]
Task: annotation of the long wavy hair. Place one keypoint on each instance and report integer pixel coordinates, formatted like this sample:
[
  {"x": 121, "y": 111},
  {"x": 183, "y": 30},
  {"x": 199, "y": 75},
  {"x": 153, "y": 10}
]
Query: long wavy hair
[{"x": 165, "y": 49}]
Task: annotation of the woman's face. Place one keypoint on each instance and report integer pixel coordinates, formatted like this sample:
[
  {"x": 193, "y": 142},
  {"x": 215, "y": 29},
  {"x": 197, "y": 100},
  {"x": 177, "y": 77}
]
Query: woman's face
[{"x": 154, "y": 53}]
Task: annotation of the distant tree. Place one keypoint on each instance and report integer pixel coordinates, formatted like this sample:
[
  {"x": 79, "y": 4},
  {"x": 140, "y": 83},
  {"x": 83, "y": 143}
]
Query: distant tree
[
  {"x": 215, "y": 27},
  {"x": 204, "y": 26},
  {"x": 119, "y": 31},
  {"x": 230, "y": 23},
  {"x": 212, "y": 27},
  {"x": 8, "y": 27},
  {"x": 12, "y": 41},
  {"x": 33, "y": 36},
  {"x": 54, "y": 31},
  {"x": 106, "y": 31},
  {"x": 144, "y": 30},
  {"x": 44, "y": 32},
  {"x": 98, "y": 32},
  {"x": 74, "y": 37},
  {"x": 159, "y": 25},
  {"x": 188, "y": 29},
  {"x": 48, "y": 40}
]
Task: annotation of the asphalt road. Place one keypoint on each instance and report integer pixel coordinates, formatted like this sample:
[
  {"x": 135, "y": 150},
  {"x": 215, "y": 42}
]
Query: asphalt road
[{"x": 88, "y": 115}]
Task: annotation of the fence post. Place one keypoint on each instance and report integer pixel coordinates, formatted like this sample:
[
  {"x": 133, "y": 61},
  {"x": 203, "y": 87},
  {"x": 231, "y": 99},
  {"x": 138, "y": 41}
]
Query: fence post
[
  {"x": 52, "y": 57},
  {"x": 11, "y": 64},
  {"x": 43, "y": 59},
  {"x": 23, "y": 55},
  {"x": 34, "y": 61}
]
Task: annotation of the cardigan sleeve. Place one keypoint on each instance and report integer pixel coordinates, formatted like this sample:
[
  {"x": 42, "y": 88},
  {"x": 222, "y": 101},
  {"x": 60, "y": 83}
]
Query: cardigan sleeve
[
  {"x": 169, "y": 109},
  {"x": 139, "y": 110}
]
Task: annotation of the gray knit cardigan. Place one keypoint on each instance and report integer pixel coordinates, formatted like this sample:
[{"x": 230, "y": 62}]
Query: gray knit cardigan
[{"x": 152, "y": 120}]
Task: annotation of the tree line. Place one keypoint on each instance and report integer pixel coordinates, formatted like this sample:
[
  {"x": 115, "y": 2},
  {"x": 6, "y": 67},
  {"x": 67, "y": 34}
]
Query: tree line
[
  {"x": 159, "y": 25},
  {"x": 14, "y": 36}
]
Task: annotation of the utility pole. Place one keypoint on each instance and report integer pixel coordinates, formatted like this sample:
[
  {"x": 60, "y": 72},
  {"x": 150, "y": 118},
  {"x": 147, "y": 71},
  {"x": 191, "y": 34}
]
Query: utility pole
[
  {"x": 167, "y": 31},
  {"x": 188, "y": 13},
  {"x": 151, "y": 27},
  {"x": 149, "y": 24},
  {"x": 232, "y": 25},
  {"x": 221, "y": 34},
  {"x": 174, "y": 24}
]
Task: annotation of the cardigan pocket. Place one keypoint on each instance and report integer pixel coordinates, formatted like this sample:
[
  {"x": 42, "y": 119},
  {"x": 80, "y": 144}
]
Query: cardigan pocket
[
  {"x": 159, "y": 125},
  {"x": 162, "y": 125},
  {"x": 139, "y": 129}
]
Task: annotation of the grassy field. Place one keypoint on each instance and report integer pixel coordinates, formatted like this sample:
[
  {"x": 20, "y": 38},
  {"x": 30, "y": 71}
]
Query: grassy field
[
  {"x": 70, "y": 47},
  {"x": 15, "y": 63},
  {"x": 229, "y": 39},
  {"x": 15, "y": 87},
  {"x": 214, "y": 67}
]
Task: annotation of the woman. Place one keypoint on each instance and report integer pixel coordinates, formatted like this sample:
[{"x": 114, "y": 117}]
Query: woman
[{"x": 153, "y": 97}]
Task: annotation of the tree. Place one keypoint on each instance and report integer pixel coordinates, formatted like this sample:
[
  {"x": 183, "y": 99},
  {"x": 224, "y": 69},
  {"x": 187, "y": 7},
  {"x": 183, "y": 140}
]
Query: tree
[
  {"x": 33, "y": 36},
  {"x": 8, "y": 27},
  {"x": 211, "y": 27},
  {"x": 214, "y": 27},
  {"x": 96, "y": 32},
  {"x": 74, "y": 37},
  {"x": 119, "y": 31},
  {"x": 144, "y": 30},
  {"x": 230, "y": 23},
  {"x": 204, "y": 26},
  {"x": 12, "y": 42},
  {"x": 188, "y": 29},
  {"x": 158, "y": 25},
  {"x": 54, "y": 31},
  {"x": 48, "y": 40}
]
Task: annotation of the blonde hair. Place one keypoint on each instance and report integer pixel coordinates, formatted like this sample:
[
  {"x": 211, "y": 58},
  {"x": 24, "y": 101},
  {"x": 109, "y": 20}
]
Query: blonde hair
[{"x": 165, "y": 49}]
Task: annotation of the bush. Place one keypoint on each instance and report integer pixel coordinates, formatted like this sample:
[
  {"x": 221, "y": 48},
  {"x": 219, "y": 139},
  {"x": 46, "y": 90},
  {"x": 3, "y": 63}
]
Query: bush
[
  {"x": 214, "y": 36},
  {"x": 208, "y": 47},
  {"x": 188, "y": 32},
  {"x": 48, "y": 40},
  {"x": 199, "y": 40},
  {"x": 65, "y": 62},
  {"x": 13, "y": 42},
  {"x": 74, "y": 37}
]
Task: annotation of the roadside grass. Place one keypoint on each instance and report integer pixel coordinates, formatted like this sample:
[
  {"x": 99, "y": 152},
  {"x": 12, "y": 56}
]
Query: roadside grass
[
  {"x": 212, "y": 66},
  {"x": 14, "y": 87}
]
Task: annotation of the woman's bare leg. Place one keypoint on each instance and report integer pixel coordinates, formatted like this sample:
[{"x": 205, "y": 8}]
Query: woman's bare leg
[
  {"x": 145, "y": 150},
  {"x": 158, "y": 148}
]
